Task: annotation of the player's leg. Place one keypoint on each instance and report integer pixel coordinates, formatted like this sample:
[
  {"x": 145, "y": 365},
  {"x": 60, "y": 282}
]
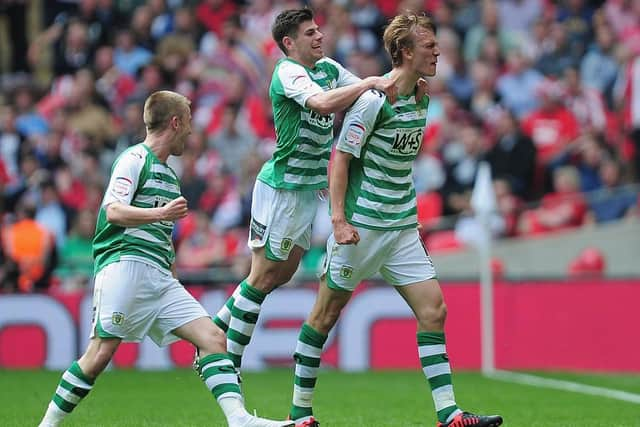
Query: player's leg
[
  {"x": 218, "y": 373},
  {"x": 324, "y": 315},
  {"x": 411, "y": 270},
  {"x": 279, "y": 234},
  {"x": 345, "y": 267},
  {"x": 77, "y": 381}
]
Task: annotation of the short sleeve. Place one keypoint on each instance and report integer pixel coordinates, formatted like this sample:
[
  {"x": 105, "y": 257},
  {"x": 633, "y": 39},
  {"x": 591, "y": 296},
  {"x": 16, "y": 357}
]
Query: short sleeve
[
  {"x": 359, "y": 122},
  {"x": 345, "y": 77},
  {"x": 124, "y": 178},
  {"x": 296, "y": 83}
]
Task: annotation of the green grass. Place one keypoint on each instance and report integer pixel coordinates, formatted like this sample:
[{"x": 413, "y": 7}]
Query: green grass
[{"x": 398, "y": 399}]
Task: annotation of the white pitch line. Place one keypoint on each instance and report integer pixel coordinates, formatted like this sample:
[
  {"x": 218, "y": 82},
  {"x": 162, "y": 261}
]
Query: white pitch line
[{"x": 533, "y": 380}]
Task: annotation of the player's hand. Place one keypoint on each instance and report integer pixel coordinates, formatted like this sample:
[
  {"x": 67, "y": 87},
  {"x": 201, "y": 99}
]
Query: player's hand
[
  {"x": 175, "y": 209},
  {"x": 345, "y": 233},
  {"x": 388, "y": 86},
  {"x": 422, "y": 89}
]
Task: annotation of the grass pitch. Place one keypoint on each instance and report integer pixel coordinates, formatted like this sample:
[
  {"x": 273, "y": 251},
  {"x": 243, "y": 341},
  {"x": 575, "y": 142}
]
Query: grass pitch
[{"x": 374, "y": 399}]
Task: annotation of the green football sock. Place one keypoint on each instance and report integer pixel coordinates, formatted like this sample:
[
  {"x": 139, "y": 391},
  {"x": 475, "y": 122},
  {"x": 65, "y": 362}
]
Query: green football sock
[{"x": 307, "y": 357}]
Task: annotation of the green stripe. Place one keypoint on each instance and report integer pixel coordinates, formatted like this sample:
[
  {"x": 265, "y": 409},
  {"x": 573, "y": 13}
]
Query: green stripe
[
  {"x": 312, "y": 362},
  {"x": 386, "y": 199},
  {"x": 307, "y": 171},
  {"x": 388, "y": 171},
  {"x": 236, "y": 359},
  {"x": 396, "y": 123},
  {"x": 382, "y": 153},
  {"x": 63, "y": 404},
  {"x": 78, "y": 391},
  {"x": 430, "y": 338},
  {"x": 433, "y": 360},
  {"x": 316, "y": 129},
  {"x": 220, "y": 324},
  {"x": 138, "y": 204},
  {"x": 221, "y": 389},
  {"x": 311, "y": 337},
  {"x": 385, "y": 215},
  {"x": 238, "y": 337},
  {"x": 76, "y": 370},
  {"x": 386, "y": 185},
  {"x": 305, "y": 382},
  {"x": 444, "y": 413},
  {"x": 301, "y": 155},
  {"x": 245, "y": 316},
  {"x": 439, "y": 381},
  {"x": 251, "y": 293}
]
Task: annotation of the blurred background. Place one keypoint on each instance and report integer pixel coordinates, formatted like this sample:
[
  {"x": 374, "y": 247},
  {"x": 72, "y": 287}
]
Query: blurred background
[{"x": 546, "y": 91}]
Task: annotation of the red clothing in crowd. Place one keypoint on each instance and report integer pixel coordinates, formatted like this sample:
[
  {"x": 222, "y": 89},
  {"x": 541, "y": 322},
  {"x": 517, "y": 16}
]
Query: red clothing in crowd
[
  {"x": 213, "y": 17},
  {"x": 558, "y": 211},
  {"x": 550, "y": 131}
]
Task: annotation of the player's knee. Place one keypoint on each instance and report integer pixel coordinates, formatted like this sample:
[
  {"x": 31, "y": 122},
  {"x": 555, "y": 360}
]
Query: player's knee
[
  {"x": 433, "y": 314},
  {"x": 267, "y": 279},
  {"x": 214, "y": 341}
]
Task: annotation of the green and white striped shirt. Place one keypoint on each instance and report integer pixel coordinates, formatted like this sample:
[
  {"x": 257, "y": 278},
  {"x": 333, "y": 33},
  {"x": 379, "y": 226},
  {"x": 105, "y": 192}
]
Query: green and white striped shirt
[
  {"x": 304, "y": 137},
  {"x": 384, "y": 140},
  {"x": 138, "y": 178}
]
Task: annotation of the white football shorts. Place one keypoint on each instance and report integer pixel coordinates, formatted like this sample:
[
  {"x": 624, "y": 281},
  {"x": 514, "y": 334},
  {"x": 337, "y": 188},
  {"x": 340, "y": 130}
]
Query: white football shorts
[
  {"x": 132, "y": 299},
  {"x": 398, "y": 255},
  {"x": 281, "y": 219}
]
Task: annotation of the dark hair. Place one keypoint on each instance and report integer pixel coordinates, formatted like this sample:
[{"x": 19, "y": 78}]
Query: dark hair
[{"x": 287, "y": 24}]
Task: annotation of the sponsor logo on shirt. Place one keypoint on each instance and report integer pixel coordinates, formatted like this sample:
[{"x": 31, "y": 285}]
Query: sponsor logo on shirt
[
  {"x": 407, "y": 141},
  {"x": 320, "y": 120},
  {"x": 256, "y": 231},
  {"x": 122, "y": 186},
  {"x": 354, "y": 134}
]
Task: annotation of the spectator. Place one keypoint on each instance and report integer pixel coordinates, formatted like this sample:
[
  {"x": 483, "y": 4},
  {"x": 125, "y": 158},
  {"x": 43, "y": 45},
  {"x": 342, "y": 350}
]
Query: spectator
[
  {"x": 128, "y": 56},
  {"x": 234, "y": 140},
  {"x": 10, "y": 142},
  {"x": 576, "y": 16},
  {"x": 599, "y": 69},
  {"x": 75, "y": 269},
  {"x": 586, "y": 104},
  {"x": 203, "y": 248},
  {"x": 517, "y": 87},
  {"x": 554, "y": 62},
  {"x": 519, "y": 15},
  {"x": 513, "y": 156},
  {"x": 50, "y": 214},
  {"x": 213, "y": 13},
  {"x": 563, "y": 209},
  {"x": 614, "y": 200},
  {"x": 490, "y": 26},
  {"x": 29, "y": 251}
]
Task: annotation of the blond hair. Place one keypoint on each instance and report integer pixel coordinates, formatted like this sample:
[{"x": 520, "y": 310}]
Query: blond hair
[
  {"x": 160, "y": 107},
  {"x": 399, "y": 34}
]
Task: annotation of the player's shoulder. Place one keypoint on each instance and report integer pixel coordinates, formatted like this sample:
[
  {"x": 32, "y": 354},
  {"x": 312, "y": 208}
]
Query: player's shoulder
[
  {"x": 134, "y": 155},
  {"x": 374, "y": 98},
  {"x": 286, "y": 67}
]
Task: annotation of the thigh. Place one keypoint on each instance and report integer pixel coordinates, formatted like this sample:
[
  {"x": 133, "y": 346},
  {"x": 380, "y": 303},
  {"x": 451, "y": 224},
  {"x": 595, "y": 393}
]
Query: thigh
[
  {"x": 117, "y": 312},
  {"x": 347, "y": 265},
  {"x": 281, "y": 220},
  {"x": 176, "y": 308},
  {"x": 408, "y": 261}
]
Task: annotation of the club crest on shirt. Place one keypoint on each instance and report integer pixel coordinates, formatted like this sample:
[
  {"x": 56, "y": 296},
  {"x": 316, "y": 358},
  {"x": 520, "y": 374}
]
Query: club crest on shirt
[
  {"x": 346, "y": 272},
  {"x": 286, "y": 244},
  {"x": 407, "y": 141}
]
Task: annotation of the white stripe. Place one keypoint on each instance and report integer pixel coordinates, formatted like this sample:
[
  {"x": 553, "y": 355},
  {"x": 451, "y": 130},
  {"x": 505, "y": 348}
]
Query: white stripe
[
  {"x": 536, "y": 381},
  {"x": 162, "y": 185},
  {"x": 315, "y": 137},
  {"x": 306, "y": 371},
  {"x": 246, "y": 304},
  {"x": 223, "y": 362},
  {"x": 235, "y": 348},
  {"x": 314, "y": 150},
  {"x": 141, "y": 234},
  {"x": 307, "y": 163},
  {"x": 72, "y": 379},
  {"x": 241, "y": 326},
  {"x": 216, "y": 380},
  {"x": 141, "y": 198},
  {"x": 159, "y": 168},
  {"x": 443, "y": 397},
  {"x": 375, "y": 222},
  {"x": 308, "y": 350},
  {"x": 411, "y": 115},
  {"x": 224, "y": 314},
  {"x": 385, "y": 207},
  {"x": 399, "y": 180},
  {"x": 438, "y": 369},
  {"x": 431, "y": 350},
  {"x": 302, "y": 397},
  {"x": 67, "y": 395},
  {"x": 367, "y": 186},
  {"x": 389, "y": 163},
  {"x": 304, "y": 179},
  {"x": 229, "y": 394}
]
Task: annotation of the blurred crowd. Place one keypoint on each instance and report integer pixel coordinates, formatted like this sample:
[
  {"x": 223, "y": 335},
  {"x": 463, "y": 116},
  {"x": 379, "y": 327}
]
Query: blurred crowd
[{"x": 548, "y": 92}]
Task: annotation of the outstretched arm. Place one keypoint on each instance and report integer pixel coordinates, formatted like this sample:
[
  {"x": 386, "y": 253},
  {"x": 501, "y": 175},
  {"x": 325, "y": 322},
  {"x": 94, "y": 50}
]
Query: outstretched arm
[{"x": 338, "y": 99}]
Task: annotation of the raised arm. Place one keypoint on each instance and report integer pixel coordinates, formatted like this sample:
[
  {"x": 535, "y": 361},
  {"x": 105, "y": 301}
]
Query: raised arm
[{"x": 341, "y": 98}]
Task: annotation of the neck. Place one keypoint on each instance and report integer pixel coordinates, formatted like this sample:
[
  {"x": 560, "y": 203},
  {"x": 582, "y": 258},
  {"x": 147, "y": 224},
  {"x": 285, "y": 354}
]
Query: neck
[
  {"x": 158, "y": 145},
  {"x": 301, "y": 61},
  {"x": 405, "y": 80}
]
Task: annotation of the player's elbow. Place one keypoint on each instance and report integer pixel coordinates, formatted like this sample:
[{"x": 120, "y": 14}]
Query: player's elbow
[
  {"x": 113, "y": 216},
  {"x": 319, "y": 104}
]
